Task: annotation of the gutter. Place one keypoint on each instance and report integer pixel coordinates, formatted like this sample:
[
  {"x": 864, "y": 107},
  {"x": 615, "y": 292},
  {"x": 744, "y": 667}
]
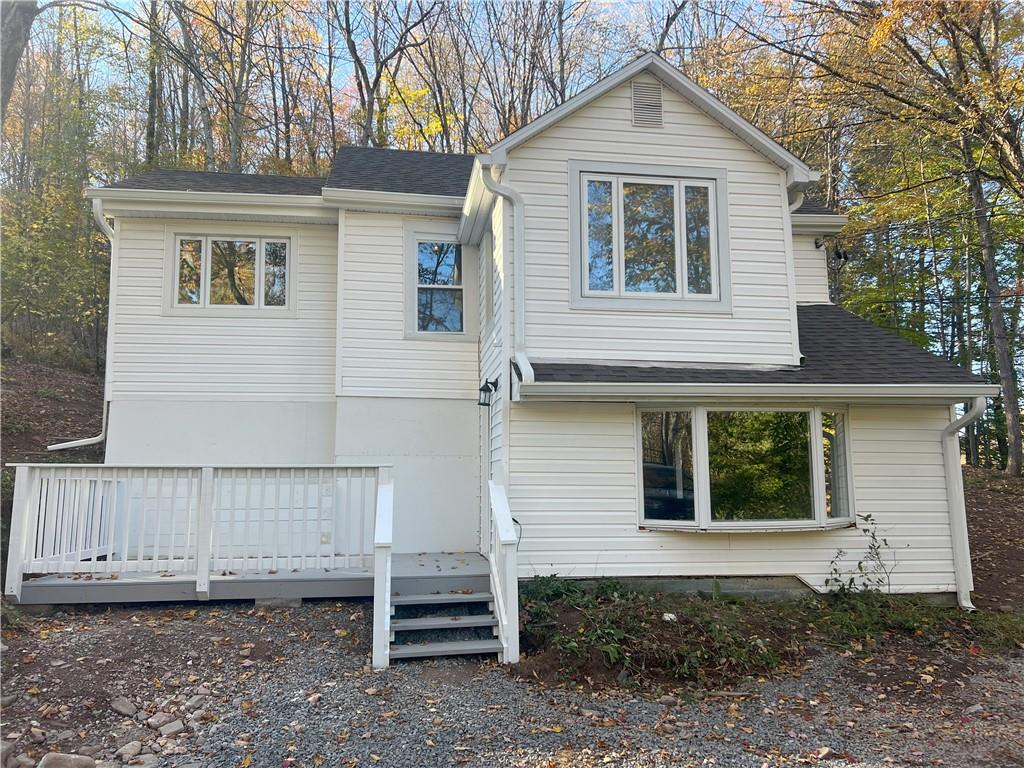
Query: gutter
[
  {"x": 489, "y": 172},
  {"x": 955, "y": 502},
  {"x": 108, "y": 231},
  {"x": 618, "y": 391}
]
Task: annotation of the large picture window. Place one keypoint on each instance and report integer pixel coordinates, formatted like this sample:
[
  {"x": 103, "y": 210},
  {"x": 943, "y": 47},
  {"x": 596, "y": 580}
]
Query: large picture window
[
  {"x": 214, "y": 271},
  {"x": 647, "y": 236},
  {"x": 713, "y": 468}
]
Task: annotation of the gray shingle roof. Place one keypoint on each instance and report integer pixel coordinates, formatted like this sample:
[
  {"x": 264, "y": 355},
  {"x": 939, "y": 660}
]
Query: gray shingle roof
[
  {"x": 838, "y": 348},
  {"x": 397, "y": 170},
  {"x": 815, "y": 207},
  {"x": 207, "y": 181}
]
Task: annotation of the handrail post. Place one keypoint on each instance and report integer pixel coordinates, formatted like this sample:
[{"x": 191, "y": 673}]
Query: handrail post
[
  {"x": 204, "y": 533},
  {"x": 504, "y": 569},
  {"x": 16, "y": 554},
  {"x": 382, "y": 540},
  {"x": 511, "y": 604}
]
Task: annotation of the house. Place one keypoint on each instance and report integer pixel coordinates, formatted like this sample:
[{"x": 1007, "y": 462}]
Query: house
[{"x": 604, "y": 348}]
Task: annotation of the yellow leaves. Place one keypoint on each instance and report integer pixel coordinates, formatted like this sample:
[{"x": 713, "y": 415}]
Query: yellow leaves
[
  {"x": 318, "y": 760},
  {"x": 246, "y": 761},
  {"x": 248, "y": 707},
  {"x": 341, "y": 633}
]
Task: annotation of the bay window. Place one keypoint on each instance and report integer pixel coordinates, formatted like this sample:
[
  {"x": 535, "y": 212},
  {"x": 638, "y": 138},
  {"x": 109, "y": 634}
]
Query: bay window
[
  {"x": 643, "y": 240},
  {"x": 742, "y": 469}
]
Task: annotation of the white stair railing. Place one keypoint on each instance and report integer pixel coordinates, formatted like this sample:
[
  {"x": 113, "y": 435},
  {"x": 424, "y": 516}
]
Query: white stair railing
[
  {"x": 504, "y": 566},
  {"x": 104, "y": 521},
  {"x": 382, "y": 541}
]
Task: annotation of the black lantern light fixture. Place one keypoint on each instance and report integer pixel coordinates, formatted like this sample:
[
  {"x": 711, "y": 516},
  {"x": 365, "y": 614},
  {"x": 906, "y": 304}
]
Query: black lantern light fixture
[{"x": 487, "y": 390}]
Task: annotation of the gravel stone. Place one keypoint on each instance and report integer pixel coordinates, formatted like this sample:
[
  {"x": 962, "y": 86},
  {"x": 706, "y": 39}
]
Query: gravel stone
[
  {"x": 172, "y": 729},
  {"x": 159, "y": 720},
  {"x": 122, "y": 706},
  {"x": 131, "y": 749},
  {"x": 61, "y": 760}
]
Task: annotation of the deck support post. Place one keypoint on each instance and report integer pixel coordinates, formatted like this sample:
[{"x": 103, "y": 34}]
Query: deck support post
[
  {"x": 19, "y": 531},
  {"x": 382, "y": 540},
  {"x": 204, "y": 533}
]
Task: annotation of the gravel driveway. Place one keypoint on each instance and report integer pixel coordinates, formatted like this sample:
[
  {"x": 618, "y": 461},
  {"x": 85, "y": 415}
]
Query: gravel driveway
[{"x": 234, "y": 686}]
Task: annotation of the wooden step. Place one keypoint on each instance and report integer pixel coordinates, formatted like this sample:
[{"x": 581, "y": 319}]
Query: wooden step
[
  {"x": 452, "y": 648},
  {"x": 443, "y": 622},
  {"x": 446, "y": 598}
]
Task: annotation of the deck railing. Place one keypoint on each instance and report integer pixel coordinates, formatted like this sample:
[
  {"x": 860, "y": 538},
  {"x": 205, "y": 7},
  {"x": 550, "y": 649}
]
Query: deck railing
[
  {"x": 102, "y": 521},
  {"x": 504, "y": 565}
]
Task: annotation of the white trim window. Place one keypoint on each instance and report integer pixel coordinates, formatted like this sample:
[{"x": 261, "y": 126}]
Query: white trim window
[
  {"x": 224, "y": 271},
  {"x": 648, "y": 237},
  {"x": 440, "y": 294},
  {"x": 739, "y": 469}
]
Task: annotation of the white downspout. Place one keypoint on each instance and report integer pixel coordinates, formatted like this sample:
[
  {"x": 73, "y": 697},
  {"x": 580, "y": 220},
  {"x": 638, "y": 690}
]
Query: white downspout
[
  {"x": 797, "y": 202},
  {"x": 489, "y": 172},
  {"x": 107, "y": 230},
  {"x": 955, "y": 502}
]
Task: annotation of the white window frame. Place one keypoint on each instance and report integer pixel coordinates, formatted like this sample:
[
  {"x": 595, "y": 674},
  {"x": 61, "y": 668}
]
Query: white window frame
[
  {"x": 205, "y": 306},
  {"x": 425, "y": 231},
  {"x": 703, "y": 521},
  {"x": 618, "y": 174}
]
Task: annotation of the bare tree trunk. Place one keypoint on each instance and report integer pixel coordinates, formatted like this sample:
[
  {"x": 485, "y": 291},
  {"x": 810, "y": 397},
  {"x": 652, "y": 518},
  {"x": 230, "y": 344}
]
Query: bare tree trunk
[
  {"x": 151, "y": 106},
  {"x": 1000, "y": 341},
  {"x": 15, "y": 26}
]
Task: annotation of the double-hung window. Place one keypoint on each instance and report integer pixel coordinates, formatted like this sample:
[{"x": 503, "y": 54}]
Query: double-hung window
[
  {"x": 231, "y": 271},
  {"x": 646, "y": 240},
  {"x": 740, "y": 469},
  {"x": 442, "y": 283}
]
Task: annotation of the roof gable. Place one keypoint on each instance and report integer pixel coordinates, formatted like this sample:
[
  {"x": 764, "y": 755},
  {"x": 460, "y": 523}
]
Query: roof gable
[{"x": 797, "y": 172}]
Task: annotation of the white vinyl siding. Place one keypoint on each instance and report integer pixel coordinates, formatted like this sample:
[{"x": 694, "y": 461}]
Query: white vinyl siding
[
  {"x": 811, "y": 271},
  {"x": 574, "y": 491},
  {"x": 760, "y": 327},
  {"x": 251, "y": 355},
  {"x": 379, "y": 359}
]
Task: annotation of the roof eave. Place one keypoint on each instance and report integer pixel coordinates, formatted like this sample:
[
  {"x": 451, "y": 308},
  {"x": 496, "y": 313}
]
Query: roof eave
[
  {"x": 818, "y": 223},
  {"x": 632, "y": 391},
  {"x": 396, "y": 202},
  {"x": 109, "y": 194}
]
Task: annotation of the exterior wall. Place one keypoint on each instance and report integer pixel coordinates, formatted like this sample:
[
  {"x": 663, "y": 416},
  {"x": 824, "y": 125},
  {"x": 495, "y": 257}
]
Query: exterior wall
[
  {"x": 158, "y": 354},
  {"x": 761, "y": 327},
  {"x": 212, "y": 388},
  {"x": 811, "y": 271},
  {"x": 574, "y": 490},
  {"x": 434, "y": 449},
  {"x": 193, "y": 431},
  {"x": 377, "y": 357}
]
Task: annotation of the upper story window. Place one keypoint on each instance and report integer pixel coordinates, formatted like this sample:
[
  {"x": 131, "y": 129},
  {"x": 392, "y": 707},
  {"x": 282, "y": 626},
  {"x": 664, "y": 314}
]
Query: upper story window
[
  {"x": 644, "y": 240},
  {"x": 441, "y": 283},
  {"x": 230, "y": 271},
  {"x": 439, "y": 292}
]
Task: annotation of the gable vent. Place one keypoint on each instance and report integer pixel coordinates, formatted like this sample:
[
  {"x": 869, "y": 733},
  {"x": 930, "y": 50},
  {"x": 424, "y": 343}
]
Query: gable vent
[{"x": 646, "y": 105}]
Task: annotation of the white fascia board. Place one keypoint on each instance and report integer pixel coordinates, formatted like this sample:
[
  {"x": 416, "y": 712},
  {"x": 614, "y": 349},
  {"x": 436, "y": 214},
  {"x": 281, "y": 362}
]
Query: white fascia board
[
  {"x": 476, "y": 206},
  {"x": 818, "y": 223},
  {"x": 192, "y": 196},
  {"x": 393, "y": 202},
  {"x": 798, "y": 174},
  {"x": 618, "y": 391}
]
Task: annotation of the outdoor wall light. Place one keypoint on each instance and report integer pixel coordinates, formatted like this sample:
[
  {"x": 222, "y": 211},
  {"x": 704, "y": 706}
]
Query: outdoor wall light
[{"x": 487, "y": 390}]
